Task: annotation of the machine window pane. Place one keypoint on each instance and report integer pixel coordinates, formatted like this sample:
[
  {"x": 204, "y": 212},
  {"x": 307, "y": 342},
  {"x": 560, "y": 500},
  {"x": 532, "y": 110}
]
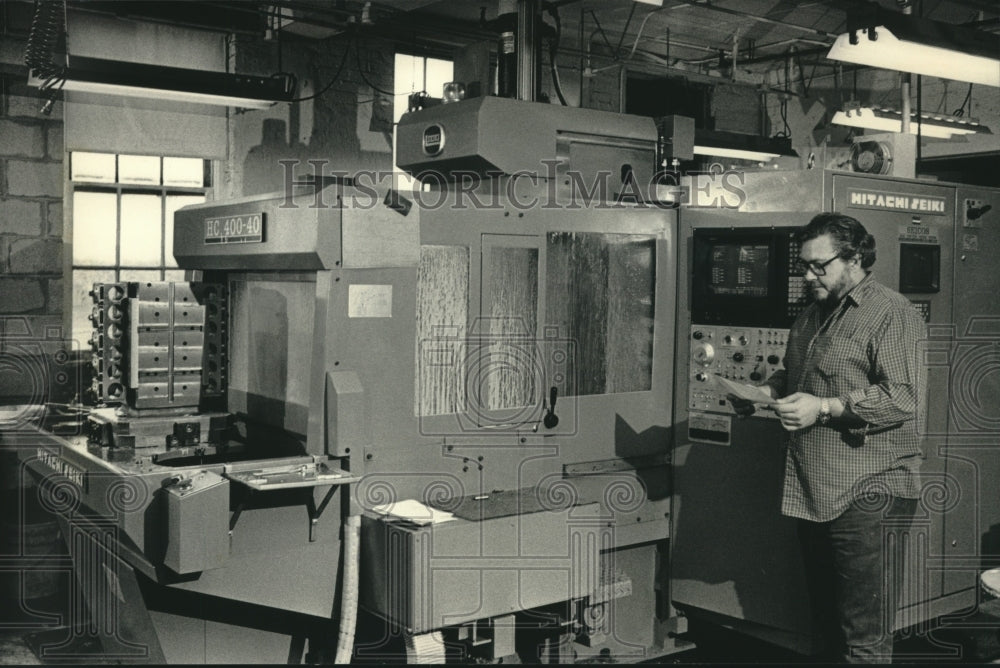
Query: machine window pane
[
  {"x": 141, "y": 231},
  {"x": 442, "y": 317},
  {"x": 95, "y": 239},
  {"x": 505, "y": 372},
  {"x": 600, "y": 292}
]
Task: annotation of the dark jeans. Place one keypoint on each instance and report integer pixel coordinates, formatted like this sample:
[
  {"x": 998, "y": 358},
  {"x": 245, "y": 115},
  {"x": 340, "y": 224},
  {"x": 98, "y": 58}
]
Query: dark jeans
[{"x": 855, "y": 567}]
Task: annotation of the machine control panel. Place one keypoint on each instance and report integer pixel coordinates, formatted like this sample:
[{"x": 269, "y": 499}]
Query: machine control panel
[{"x": 741, "y": 354}]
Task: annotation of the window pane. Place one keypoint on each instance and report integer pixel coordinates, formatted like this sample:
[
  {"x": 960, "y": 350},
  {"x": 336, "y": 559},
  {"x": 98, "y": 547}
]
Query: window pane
[
  {"x": 140, "y": 275},
  {"x": 174, "y": 275},
  {"x": 144, "y": 169},
  {"x": 513, "y": 305},
  {"x": 184, "y": 172},
  {"x": 439, "y": 72},
  {"x": 407, "y": 78},
  {"x": 599, "y": 292},
  {"x": 142, "y": 231},
  {"x": 98, "y": 167},
  {"x": 94, "y": 228},
  {"x": 173, "y": 203},
  {"x": 442, "y": 314},
  {"x": 83, "y": 283}
]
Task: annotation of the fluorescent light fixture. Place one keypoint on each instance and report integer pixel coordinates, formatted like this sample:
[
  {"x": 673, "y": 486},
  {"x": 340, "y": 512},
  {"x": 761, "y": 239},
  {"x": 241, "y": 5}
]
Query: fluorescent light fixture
[
  {"x": 890, "y": 120},
  {"x": 740, "y": 146},
  {"x": 94, "y": 75},
  {"x": 895, "y": 41}
]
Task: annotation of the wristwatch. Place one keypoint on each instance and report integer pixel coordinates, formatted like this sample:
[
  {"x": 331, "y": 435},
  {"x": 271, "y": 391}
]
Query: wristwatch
[{"x": 824, "y": 411}]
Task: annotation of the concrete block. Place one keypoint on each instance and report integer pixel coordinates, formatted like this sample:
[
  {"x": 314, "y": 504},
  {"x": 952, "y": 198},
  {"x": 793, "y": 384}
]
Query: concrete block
[
  {"x": 22, "y": 139},
  {"x": 12, "y": 50},
  {"x": 54, "y": 303},
  {"x": 21, "y": 295},
  {"x": 35, "y": 256},
  {"x": 54, "y": 141},
  {"x": 34, "y": 179},
  {"x": 24, "y": 101},
  {"x": 54, "y": 217},
  {"x": 20, "y": 216}
]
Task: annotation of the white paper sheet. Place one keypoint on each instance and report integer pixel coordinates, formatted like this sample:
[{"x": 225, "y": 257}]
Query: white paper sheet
[
  {"x": 413, "y": 511},
  {"x": 743, "y": 391}
]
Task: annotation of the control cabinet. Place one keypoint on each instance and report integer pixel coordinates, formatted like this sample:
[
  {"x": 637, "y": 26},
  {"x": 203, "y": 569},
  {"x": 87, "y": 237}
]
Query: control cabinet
[{"x": 741, "y": 354}]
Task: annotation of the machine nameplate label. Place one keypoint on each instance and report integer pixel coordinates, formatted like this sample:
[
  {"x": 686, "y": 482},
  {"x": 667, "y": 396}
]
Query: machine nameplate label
[
  {"x": 243, "y": 229},
  {"x": 369, "y": 301},
  {"x": 433, "y": 140},
  {"x": 891, "y": 201},
  {"x": 52, "y": 460},
  {"x": 923, "y": 234}
]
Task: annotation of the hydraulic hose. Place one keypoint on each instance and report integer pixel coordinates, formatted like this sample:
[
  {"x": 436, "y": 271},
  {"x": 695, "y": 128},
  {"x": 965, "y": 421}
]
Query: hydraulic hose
[{"x": 349, "y": 596}]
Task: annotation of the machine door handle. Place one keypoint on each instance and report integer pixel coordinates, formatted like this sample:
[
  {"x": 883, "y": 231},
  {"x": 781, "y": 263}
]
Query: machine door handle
[{"x": 551, "y": 419}]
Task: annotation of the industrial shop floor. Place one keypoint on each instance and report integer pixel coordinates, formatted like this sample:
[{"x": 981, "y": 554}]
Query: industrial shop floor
[{"x": 974, "y": 640}]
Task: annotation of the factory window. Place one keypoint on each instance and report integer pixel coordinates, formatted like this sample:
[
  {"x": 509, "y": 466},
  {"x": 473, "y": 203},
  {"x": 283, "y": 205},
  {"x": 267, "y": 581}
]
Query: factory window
[
  {"x": 122, "y": 220},
  {"x": 413, "y": 74}
]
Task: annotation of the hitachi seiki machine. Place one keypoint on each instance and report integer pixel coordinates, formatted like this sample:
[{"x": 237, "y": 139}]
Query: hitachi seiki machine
[{"x": 475, "y": 382}]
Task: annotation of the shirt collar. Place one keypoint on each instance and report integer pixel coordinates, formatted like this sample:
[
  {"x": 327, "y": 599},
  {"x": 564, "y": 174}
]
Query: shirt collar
[{"x": 862, "y": 290}]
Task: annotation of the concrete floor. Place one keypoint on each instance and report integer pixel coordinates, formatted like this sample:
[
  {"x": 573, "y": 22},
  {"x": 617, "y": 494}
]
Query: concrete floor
[
  {"x": 14, "y": 651},
  {"x": 977, "y": 639}
]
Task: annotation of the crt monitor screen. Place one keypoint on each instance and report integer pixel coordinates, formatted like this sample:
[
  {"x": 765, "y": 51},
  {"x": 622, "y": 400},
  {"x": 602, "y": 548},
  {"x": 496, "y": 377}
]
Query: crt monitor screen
[
  {"x": 740, "y": 276},
  {"x": 739, "y": 269}
]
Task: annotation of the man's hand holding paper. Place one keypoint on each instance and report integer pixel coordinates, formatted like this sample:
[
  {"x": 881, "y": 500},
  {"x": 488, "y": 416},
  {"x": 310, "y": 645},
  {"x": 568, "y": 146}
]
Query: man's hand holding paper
[{"x": 743, "y": 396}]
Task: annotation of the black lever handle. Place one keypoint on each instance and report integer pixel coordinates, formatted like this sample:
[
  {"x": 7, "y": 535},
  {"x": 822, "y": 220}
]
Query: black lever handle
[{"x": 551, "y": 419}]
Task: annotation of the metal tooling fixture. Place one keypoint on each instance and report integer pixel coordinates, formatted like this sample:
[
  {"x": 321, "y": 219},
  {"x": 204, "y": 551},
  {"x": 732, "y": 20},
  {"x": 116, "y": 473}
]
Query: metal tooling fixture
[{"x": 158, "y": 353}]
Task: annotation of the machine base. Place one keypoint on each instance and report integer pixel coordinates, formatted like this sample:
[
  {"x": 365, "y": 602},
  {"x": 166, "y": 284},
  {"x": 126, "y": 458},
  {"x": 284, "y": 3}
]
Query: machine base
[{"x": 106, "y": 427}]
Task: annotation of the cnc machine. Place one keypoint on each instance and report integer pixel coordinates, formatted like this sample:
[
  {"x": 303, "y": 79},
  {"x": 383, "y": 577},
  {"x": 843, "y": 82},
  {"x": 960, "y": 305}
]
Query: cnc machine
[
  {"x": 498, "y": 355},
  {"x": 737, "y": 297}
]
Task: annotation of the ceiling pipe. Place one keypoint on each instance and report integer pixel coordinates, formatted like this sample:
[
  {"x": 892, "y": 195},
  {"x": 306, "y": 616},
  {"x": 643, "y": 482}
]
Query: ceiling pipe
[{"x": 758, "y": 19}]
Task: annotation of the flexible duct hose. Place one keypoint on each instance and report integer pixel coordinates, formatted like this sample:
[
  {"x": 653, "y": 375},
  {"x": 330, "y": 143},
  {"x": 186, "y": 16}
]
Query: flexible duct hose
[
  {"x": 349, "y": 596},
  {"x": 46, "y": 28}
]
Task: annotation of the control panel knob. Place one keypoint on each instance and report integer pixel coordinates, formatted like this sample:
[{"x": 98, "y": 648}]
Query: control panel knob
[
  {"x": 773, "y": 359},
  {"x": 698, "y": 335},
  {"x": 755, "y": 375},
  {"x": 701, "y": 376},
  {"x": 743, "y": 340},
  {"x": 728, "y": 338},
  {"x": 703, "y": 354},
  {"x": 737, "y": 357}
]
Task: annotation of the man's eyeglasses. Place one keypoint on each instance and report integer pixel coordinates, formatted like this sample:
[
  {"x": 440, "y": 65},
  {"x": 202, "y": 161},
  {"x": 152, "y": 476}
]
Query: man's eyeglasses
[{"x": 817, "y": 268}]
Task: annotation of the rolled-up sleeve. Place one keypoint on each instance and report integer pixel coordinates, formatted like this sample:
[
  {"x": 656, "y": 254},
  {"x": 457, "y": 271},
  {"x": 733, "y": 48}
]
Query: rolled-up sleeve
[{"x": 896, "y": 377}]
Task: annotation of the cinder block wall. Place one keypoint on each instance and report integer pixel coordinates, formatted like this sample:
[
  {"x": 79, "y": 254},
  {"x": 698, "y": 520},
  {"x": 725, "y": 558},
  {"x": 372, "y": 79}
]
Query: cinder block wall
[{"x": 31, "y": 243}]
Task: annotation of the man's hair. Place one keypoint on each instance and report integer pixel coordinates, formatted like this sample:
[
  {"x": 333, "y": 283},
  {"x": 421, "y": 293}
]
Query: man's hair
[{"x": 849, "y": 237}]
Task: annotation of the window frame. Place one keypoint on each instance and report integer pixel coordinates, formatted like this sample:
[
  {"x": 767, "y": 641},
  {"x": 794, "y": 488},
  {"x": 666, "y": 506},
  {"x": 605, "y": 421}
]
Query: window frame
[{"x": 120, "y": 190}]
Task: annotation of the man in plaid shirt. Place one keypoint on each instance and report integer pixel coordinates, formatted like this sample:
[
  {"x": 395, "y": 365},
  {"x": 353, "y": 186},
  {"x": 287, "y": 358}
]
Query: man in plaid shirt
[{"x": 848, "y": 398}]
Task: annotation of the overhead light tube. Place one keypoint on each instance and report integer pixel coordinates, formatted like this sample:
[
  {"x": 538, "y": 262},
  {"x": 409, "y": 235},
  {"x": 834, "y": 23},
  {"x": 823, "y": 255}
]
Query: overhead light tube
[
  {"x": 889, "y": 40},
  {"x": 890, "y": 120},
  {"x": 95, "y": 75}
]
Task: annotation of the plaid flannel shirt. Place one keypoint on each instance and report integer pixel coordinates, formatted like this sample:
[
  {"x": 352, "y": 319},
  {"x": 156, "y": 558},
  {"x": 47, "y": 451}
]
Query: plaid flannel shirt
[{"x": 864, "y": 353}]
